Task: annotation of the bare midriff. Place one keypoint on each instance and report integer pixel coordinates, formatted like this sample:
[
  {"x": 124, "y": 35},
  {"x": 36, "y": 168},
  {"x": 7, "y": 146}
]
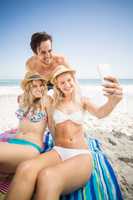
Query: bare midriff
[
  {"x": 31, "y": 131},
  {"x": 70, "y": 135}
]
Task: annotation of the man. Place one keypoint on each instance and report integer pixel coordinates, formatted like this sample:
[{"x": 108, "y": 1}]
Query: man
[{"x": 44, "y": 61}]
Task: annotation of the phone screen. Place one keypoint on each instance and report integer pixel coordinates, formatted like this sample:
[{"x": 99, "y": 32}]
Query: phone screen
[{"x": 104, "y": 70}]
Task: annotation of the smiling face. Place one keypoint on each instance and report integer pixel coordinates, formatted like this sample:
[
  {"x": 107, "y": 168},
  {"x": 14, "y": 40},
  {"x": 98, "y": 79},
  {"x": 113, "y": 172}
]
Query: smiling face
[
  {"x": 44, "y": 52},
  {"x": 37, "y": 88},
  {"x": 65, "y": 82}
]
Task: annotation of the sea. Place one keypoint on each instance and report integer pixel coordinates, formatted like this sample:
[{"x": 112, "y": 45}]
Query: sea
[{"x": 89, "y": 87}]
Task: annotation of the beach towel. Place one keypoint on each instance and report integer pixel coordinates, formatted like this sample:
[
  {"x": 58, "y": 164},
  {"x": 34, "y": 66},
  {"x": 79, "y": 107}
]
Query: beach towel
[
  {"x": 4, "y": 136},
  {"x": 103, "y": 184}
]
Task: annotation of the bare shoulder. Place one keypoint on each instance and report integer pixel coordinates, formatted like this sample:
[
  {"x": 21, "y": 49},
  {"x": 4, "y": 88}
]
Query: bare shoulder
[
  {"x": 58, "y": 56},
  {"x": 60, "y": 59},
  {"x": 29, "y": 63},
  {"x": 32, "y": 64}
]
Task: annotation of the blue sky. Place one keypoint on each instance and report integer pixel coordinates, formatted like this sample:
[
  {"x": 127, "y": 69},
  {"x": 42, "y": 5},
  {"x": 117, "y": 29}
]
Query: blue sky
[{"x": 87, "y": 32}]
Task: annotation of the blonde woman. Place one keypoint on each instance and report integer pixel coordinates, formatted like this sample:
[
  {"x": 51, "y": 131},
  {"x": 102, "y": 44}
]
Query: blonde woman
[
  {"x": 68, "y": 166},
  {"x": 28, "y": 141}
]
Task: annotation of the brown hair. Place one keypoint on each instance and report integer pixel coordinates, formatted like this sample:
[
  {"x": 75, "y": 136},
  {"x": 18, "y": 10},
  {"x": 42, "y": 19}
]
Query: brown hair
[{"x": 37, "y": 38}]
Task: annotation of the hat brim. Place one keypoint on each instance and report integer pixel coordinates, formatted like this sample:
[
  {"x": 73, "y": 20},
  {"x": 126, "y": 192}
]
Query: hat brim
[
  {"x": 61, "y": 71},
  {"x": 31, "y": 78}
]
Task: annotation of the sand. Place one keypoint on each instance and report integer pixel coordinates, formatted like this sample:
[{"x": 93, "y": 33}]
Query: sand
[{"x": 115, "y": 133}]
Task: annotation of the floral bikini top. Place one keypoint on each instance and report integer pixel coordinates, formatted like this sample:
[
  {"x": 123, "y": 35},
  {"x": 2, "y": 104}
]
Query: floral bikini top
[{"x": 33, "y": 116}]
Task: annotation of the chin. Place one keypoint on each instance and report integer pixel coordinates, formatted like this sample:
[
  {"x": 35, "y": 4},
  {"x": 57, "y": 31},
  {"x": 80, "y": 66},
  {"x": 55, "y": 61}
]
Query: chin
[
  {"x": 38, "y": 96},
  {"x": 68, "y": 92}
]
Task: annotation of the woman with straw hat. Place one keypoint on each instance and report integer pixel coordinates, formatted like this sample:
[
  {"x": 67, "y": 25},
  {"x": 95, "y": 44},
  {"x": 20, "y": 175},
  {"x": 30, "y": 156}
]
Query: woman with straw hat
[
  {"x": 68, "y": 166},
  {"x": 28, "y": 141}
]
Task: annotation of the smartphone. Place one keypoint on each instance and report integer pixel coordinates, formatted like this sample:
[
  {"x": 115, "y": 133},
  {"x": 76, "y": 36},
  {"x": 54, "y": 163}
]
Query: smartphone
[{"x": 104, "y": 70}]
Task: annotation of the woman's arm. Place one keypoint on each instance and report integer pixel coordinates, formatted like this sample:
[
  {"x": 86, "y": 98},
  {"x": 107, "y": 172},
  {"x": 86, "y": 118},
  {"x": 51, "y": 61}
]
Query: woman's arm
[
  {"x": 49, "y": 110},
  {"x": 113, "y": 92}
]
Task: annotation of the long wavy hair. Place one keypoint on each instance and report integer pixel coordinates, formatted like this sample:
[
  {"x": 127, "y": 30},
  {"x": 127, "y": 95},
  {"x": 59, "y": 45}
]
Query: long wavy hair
[
  {"x": 27, "y": 101},
  {"x": 58, "y": 95}
]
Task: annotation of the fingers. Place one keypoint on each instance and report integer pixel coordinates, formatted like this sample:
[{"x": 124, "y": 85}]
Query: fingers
[
  {"x": 111, "y": 79},
  {"x": 112, "y": 89},
  {"x": 111, "y": 85},
  {"x": 113, "y": 92}
]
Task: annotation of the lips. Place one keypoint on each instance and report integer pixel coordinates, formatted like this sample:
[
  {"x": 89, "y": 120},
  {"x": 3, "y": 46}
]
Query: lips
[
  {"x": 68, "y": 89},
  {"x": 48, "y": 60},
  {"x": 38, "y": 93}
]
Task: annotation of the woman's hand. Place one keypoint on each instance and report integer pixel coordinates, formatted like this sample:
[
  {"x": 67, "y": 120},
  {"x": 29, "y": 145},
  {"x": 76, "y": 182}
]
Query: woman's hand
[{"x": 112, "y": 89}]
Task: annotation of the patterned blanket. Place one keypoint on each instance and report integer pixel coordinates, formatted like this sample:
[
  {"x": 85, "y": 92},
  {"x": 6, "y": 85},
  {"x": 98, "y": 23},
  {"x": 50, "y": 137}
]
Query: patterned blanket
[{"x": 102, "y": 185}]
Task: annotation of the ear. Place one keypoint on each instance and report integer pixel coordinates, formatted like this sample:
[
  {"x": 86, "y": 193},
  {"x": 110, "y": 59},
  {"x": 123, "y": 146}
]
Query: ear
[{"x": 37, "y": 50}]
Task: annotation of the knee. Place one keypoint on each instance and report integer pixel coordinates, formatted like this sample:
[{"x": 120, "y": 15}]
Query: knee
[
  {"x": 46, "y": 176},
  {"x": 49, "y": 179},
  {"x": 24, "y": 171}
]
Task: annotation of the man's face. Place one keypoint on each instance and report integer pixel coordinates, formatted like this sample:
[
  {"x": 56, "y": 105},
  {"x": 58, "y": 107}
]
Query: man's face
[{"x": 44, "y": 52}]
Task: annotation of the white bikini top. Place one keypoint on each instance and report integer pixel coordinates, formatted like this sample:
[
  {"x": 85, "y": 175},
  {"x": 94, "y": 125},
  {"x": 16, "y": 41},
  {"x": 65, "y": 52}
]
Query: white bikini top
[{"x": 76, "y": 117}]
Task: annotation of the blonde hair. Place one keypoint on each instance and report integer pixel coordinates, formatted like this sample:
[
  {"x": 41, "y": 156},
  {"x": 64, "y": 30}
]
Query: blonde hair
[
  {"x": 58, "y": 95},
  {"x": 27, "y": 101}
]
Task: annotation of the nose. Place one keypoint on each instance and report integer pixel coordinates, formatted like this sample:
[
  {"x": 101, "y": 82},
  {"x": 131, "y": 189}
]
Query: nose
[
  {"x": 67, "y": 84},
  {"x": 47, "y": 54},
  {"x": 38, "y": 88}
]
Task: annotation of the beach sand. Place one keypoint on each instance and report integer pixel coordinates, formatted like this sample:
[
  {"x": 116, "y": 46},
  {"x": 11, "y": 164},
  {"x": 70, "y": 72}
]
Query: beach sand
[
  {"x": 2, "y": 196},
  {"x": 115, "y": 132}
]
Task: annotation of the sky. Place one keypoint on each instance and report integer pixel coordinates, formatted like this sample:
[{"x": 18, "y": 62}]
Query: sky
[{"x": 87, "y": 32}]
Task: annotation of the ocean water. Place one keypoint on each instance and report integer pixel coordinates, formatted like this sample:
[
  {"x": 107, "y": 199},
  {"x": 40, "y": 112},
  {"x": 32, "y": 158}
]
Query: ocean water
[
  {"x": 10, "y": 82},
  {"x": 16, "y": 82},
  {"x": 89, "y": 87},
  {"x": 98, "y": 81}
]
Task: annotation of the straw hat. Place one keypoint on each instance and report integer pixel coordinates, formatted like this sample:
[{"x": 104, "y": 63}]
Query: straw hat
[
  {"x": 60, "y": 70},
  {"x": 30, "y": 76}
]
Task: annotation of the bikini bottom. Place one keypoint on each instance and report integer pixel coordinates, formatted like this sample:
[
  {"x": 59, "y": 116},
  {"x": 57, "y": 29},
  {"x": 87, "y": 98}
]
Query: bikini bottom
[
  {"x": 66, "y": 153},
  {"x": 24, "y": 142}
]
